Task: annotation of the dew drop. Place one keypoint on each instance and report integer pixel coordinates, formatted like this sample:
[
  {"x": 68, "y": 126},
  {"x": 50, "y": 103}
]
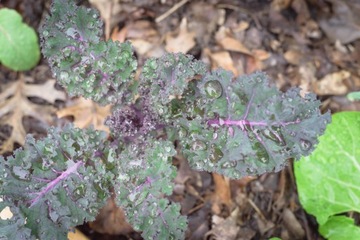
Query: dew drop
[
  {"x": 261, "y": 153},
  {"x": 274, "y": 136},
  {"x": 79, "y": 191},
  {"x": 160, "y": 110},
  {"x": 250, "y": 171},
  {"x": 168, "y": 149},
  {"x": 45, "y": 33},
  {"x": 213, "y": 89},
  {"x": 215, "y": 154},
  {"x": 64, "y": 76},
  {"x": 198, "y": 145},
  {"x": 182, "y": 133},
  {"x": 228, "y": 164},
  {"x": 66, "y": 136},
  {"x": 305, "y": 145}
]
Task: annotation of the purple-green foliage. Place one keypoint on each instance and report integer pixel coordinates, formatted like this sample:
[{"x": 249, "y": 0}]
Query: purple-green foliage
[
  {"x": 54, "y": 183},
  {"x": 235, "y": 126}
]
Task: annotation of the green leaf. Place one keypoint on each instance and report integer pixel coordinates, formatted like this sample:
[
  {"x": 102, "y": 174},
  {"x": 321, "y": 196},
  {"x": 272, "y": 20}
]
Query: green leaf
[
  {"x": 14, "y": 228},
  {"x": 145, "y": 172},
  {"x": 353, "y": 96},
  {"x": 246, "y": 126},
  {"x": 19, "y": 43},
  {"x": 84, "y": 65},
  {"x": 340, "y": 227},
  {"x": 328, "y": 180},
  {"x": 55, "y": 183}
]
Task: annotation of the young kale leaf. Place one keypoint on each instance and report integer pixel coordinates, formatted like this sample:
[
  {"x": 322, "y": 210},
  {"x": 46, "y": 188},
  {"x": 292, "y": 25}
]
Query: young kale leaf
[
  {"x": 85, "y": 65},
  {"x": 145, "y": 175},
  {"x": 234, "y": 126},
  {"x": 249, "y": 127},
  {"x": 55, "y": 183}
]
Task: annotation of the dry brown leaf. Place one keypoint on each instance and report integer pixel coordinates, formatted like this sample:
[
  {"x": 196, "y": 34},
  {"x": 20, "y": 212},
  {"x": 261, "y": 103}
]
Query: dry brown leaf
[
  {"x": 255, "y": 62},
  {"x": 260, "y": 54},
  {"x": 143, "y": 36},
  {"x": 293, "y": 56},
  {"x": 241, "y": 26},
  {"x": 225, "y": 229},
  {"x": 292, "y": 224},
  {"x": 111, "y": 220},
  {"x": 107, "y": 8},
  {"x": 119, "y": 34},
  {"x": 221, "y": 59},
  {"x": 332, "y": 84},
  {"x": 142, "y": 29},
  {"x": 307, "y": 72},
  {"x": 279, "y": 5},
  {"x": 14, "y": 105},
  {"x": 344, "y": 24},
  {"x": 77, "y": 235},
  {"x": 228, "y": 42},
  {"x": 181, "y": 42},
  {"x": 86, "y": 113},
  {"x": 222, "y": 195},
  {"x": 203, "y": 20}
]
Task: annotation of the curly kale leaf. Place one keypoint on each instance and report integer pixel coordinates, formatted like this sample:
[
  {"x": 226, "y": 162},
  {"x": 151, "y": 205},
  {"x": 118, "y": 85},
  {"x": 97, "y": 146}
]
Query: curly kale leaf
[
  {"x": 14, "y": 228},
  {"x": 145, "y": 174},
  {"x": 56, "y": 183},
  {"x": 84, "y": 65},
  {"x": 130, "y": 122},
  {"x": 248, "y": 127},
  {"x": 167, "y": 82}
]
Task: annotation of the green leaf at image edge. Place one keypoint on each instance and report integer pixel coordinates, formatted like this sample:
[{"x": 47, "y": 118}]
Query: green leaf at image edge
[
  {"x": 19, "y": 47},
  {"x": 354, "y": 96},
  {"x": 340, "y": 227},
  {"x": 328, "y": 181}
]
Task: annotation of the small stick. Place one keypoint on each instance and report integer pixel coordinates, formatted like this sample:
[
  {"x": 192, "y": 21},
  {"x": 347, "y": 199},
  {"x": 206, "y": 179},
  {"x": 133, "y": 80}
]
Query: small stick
[
  {"x": 170, "y": 11},
  {"x": 257, "y": 209}
]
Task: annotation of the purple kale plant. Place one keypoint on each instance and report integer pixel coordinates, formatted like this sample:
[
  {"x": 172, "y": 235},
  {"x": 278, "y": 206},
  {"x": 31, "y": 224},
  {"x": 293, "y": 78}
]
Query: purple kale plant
[{"x": 235, "y": 126}]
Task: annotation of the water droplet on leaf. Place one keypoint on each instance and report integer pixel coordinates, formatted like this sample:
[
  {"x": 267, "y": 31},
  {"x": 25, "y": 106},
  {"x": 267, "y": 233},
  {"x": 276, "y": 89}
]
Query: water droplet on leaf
[
  {"x": 168, "y": 149},
  {"x": 261, "y": 153},
  {"x": 45, "y": 33},
  {"x": 215, "y": 154},
  {"x": 213, "y": 89},
  {"x": 198, "y": 145},
  {"x": 79, "y": 191},
  {"x": 274, "y": 135},
  {"x": 228, "y": 164},
  {"x": 182, "y": 132},
  {"x": 64, "y": 76},
  {"x": 66, "y": 136}
]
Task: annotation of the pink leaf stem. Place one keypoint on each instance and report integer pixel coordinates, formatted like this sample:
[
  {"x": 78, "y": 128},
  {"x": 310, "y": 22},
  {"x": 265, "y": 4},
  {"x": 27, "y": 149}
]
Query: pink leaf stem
[{"x": 51, "y": 185}]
